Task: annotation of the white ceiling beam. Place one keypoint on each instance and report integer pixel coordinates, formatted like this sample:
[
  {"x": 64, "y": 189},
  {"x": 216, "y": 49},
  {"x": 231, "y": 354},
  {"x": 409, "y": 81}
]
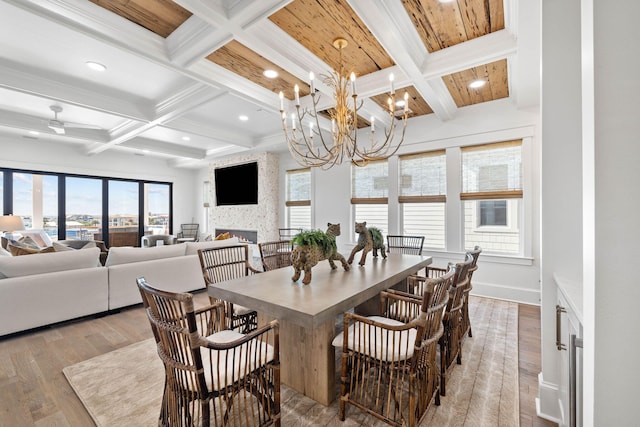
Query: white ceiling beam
[
  {"x": 168, "y": 109},
  {"x": 389, "y": 23},
  {"x": 162, "y": 147},
  {"x": 60, "y": 88},
  {"x": 475, "y": 52}
]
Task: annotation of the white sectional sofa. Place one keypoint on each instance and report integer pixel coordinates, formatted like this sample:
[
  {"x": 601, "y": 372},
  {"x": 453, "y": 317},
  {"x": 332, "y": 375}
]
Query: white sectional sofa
[{"x": 38, "y": 290}]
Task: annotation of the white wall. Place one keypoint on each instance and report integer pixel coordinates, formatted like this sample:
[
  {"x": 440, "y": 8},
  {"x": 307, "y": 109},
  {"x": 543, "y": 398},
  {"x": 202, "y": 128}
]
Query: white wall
[
  {"x": 500, "y": 277},
  {"x": 43, "y": 155},
  {"x": 606, "y": 192},
  {"x": 561, "y": 179},
  {"x": 612, "y": 232}
]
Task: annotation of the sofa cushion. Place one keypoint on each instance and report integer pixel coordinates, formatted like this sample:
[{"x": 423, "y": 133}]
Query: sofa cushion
[
  {"x": 125, "y": 255},
  {"x": 47, "y": 263},
  {"x": 192, "y": 247}
]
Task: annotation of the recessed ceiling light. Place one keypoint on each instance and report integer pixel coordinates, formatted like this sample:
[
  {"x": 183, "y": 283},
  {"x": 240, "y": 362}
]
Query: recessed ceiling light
[
  {"x": 243, "y": 118},
  {"x": 270, "y": 74},
  {"x": 34, "y": 132},
  {"x": 476, "y": 84},
  {"x": 186, "y": 138},
  {"x": 96, "y": 66}
]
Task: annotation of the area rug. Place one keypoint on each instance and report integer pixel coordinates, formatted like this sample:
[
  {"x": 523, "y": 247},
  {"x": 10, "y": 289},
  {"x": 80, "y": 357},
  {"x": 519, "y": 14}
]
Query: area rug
[{"x": 124, "y": 387}]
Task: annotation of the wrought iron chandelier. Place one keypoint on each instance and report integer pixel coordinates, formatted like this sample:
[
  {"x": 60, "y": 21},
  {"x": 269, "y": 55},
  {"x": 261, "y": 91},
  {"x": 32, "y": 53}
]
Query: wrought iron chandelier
[{"x": 320, "y": 152}]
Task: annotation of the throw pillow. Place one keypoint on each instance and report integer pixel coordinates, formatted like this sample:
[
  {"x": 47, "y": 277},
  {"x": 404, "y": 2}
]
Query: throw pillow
[
  {"x": 26, "y": 250},
  {"x": 60, "y": 247},
  {"x": 28, "y": 242},
  {"x": 4, "y": 252},
  {"x": 223, "y": 236}
]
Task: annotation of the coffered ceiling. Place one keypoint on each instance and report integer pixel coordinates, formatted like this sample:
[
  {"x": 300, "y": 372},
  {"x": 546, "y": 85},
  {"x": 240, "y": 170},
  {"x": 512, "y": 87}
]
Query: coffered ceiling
[{"x": 180, "y": 74}]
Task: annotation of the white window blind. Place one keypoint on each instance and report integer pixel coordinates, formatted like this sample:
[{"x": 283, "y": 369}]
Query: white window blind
[
  {"x": 422, "y": 196},
  {"x": 492, "y": 171},
  {"x": 369, "y": 194}
]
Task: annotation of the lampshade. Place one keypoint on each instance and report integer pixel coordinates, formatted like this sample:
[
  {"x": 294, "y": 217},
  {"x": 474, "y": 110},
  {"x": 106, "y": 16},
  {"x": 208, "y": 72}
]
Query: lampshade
[{"x": 11, "y": 223}]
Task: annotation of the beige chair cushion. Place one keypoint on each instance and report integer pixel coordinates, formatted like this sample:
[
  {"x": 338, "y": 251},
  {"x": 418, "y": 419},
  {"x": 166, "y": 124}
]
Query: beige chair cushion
[
  {"x": 389, "y": 345},
  {"x": 232, "y": 365}
]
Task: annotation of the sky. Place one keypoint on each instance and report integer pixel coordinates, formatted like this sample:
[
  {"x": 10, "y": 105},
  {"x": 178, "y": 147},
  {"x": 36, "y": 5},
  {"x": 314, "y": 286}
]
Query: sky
[{"x": 84, "y": 196}]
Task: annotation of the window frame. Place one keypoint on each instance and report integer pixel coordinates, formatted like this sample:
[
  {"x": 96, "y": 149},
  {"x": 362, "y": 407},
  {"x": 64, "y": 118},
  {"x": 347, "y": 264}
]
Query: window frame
[
  {"x": 357, "y": 200},
  {"x": 298, "y": 202}
]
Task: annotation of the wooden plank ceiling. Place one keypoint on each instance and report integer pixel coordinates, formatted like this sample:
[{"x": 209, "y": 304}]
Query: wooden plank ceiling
[{"x": 315, "y": 24}]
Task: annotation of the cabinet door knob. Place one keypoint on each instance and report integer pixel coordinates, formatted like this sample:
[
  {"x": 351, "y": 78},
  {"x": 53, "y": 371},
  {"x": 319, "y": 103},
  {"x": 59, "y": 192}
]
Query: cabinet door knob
[{"x": 559, "y": 310}]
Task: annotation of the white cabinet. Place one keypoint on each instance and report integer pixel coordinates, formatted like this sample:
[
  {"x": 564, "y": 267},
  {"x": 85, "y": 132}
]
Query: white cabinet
[{"x": 568, "y": 344}]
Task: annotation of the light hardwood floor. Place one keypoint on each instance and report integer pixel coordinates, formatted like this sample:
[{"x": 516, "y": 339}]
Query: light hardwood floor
[{"x": 34, "y": 392}]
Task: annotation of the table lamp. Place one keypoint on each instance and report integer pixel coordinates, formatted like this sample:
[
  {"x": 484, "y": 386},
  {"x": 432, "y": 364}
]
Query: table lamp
[{"x": 10, "y": 223}]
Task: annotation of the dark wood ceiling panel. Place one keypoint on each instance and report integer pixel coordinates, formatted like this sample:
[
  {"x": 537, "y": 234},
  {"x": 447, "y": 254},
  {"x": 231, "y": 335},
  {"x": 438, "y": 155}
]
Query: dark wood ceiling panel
[
  {"x": 497, "y": 86},
  {"x": 241, "y": 60},
  {"x": 417, "y": 105},
  {"x": 317, "y": 23},
  {"x": 442, "y": 25},
  {"x": 159, "y": 16}
]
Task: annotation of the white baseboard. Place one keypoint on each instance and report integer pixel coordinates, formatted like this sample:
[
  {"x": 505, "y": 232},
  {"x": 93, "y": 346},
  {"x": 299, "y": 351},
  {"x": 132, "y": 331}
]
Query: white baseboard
[
  {"x": 547, "y": 402},
  {"x": 524, "y": 296}
]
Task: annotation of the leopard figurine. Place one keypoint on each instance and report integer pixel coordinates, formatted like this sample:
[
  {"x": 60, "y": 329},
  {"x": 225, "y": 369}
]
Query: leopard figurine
[
  {"x": 368, "y": 239},
  {"x": 306, "y": 256}
]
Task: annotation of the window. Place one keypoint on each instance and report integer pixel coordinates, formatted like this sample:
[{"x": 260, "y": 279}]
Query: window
[
  {"x": 492, "y": 212},
  {"x": 157, "y": 202},
  {"x": 369, "y": 194},
  {"x": 492, "y": 196},
  {"x": 35, "y": 197},
  {"x": 298, "y": 203},
  {"x": 35, "y": 200},
  {"x": 422, "y": 196},
  {"x": 123, "y": 212},
  {"x": 84, "y": 208}
]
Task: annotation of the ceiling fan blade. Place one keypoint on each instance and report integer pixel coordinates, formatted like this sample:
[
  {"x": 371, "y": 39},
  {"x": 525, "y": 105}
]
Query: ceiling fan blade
[{"x": 57, "y": 126}]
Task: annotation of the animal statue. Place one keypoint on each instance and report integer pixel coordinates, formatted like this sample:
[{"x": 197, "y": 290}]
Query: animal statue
[
  {"x": 313, "y": 247},
  {"x": 368, "y": 239}
]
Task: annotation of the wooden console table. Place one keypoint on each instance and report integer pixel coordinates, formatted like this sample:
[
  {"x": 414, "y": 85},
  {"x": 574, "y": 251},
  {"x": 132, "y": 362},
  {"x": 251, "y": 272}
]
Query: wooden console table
[{"x": 307, "y": 313}]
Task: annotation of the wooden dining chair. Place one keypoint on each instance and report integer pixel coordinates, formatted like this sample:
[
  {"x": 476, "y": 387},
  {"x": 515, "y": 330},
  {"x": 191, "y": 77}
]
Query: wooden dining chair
[
  {"x": 451, "y": 340},
  {"x": 213, "y": 375},
  {"x": 411, "y": 245},
  {"x": 389, "y": 367},
  {"x": 288, "y": 233},
  {"x": 275, "y": 254},
  {"x": 220, "y": 264},
  {"x": 473, "y": 255}
]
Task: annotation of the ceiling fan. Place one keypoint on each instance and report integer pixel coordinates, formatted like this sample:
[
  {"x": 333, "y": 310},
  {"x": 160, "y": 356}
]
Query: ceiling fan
[{"x": 60, "y": 127}]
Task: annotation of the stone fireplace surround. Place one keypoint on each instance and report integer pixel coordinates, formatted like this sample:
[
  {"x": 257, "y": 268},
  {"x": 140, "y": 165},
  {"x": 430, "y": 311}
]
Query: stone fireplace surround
[{"x": 261, "y": 218}]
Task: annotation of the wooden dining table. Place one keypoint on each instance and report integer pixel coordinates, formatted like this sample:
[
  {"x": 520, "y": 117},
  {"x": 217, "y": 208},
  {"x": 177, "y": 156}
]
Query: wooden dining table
[{"x": 307, "y": 313}]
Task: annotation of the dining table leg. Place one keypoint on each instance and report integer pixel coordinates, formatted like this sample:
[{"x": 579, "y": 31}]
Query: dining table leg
[{"x": 307, "y": 359}]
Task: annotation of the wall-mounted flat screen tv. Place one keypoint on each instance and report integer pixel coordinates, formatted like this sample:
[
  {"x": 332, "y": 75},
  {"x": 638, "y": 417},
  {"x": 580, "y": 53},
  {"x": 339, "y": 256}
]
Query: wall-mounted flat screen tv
[{"x": 237, "y": 185}]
